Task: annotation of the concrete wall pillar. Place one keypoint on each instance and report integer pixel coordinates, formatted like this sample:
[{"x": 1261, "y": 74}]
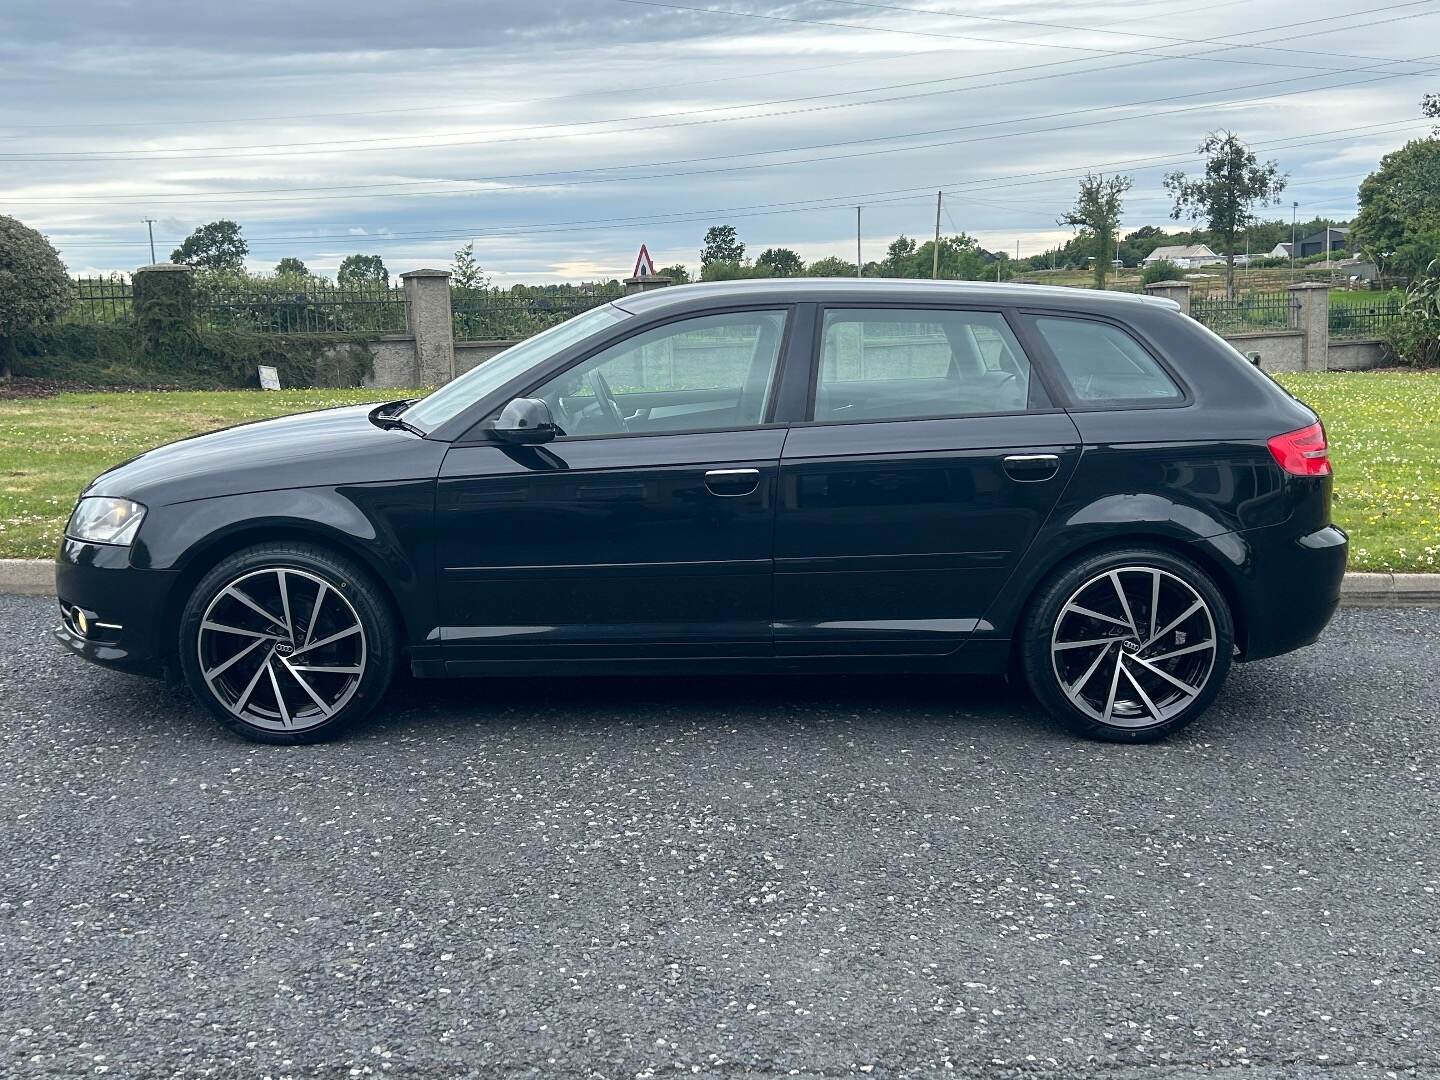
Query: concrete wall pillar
[
  {"x": 164, "y": 297},
  {"x": 1310, "y": 314},
  {"x": 646, "y": 282},
  {"x": 1179, "y": 291},
  {"x": 428, "y": 315}
]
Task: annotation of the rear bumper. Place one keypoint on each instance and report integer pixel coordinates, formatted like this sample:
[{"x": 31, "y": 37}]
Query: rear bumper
[
  {"x": 1295, "y": 588},
  {"x": 111, "y": 613}
]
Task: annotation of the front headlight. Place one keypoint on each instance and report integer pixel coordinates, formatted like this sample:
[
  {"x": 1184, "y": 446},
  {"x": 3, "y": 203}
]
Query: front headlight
[{"x": 99, "y": 520}]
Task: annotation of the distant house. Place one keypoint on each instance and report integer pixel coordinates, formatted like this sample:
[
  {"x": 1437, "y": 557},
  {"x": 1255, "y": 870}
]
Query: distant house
[
  {"x": 1314, "y": 244},
  {"x": 1279, "y": 251},
  {"x": 1189, "y": 256}
]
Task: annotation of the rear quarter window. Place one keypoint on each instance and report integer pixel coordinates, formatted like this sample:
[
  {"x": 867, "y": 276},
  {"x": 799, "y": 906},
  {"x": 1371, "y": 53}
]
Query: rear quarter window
[{"x": 1101, "y": 363}]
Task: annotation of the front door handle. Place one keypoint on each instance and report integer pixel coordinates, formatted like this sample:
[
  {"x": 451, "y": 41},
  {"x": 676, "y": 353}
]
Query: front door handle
[
  {"x": 729, "y": 483},
  {"x": 1029, "y": 468}
]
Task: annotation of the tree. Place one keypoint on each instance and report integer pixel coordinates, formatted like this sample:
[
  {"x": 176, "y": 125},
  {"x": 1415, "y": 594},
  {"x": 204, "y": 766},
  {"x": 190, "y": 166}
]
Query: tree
[
  {"x": 291, "y": 267},
  {"x": 830, "y": 266},
  {"x": 362, "y": 270},
  {"x": 1399, "y": 220},
  {"x": 678, "y": 274},
  {"x": 216, "y": 246},
  {"x": 900, "y": 259},
  {"x": 466, "y": 272},
  {"x": 1235, "y": 182},
  {"x": 721, "y": 245},
  {"x": 1097, "y": 214},
  {"x": 1162, "y": 270},
  {"x": 733, "y": 271},
  {"x": 960, "y": 259},
  {"x": 34, "y": 287},
  {"x": 783, "y": 261},
  {"x": 1430, "y": 106}
]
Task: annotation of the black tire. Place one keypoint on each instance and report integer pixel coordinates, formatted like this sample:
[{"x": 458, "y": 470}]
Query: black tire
[
  {"x": 296, "y": 601},
  {"x": 1081, "y": 599}
]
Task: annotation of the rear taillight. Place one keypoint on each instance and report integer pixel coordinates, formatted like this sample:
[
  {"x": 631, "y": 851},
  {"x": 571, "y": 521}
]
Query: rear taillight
[{"x": 1303, "y": 452}]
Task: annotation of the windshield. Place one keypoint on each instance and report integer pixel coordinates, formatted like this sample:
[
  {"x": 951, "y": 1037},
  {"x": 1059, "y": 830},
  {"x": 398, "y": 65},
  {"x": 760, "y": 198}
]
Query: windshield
[{"x": 452, "y": 398}]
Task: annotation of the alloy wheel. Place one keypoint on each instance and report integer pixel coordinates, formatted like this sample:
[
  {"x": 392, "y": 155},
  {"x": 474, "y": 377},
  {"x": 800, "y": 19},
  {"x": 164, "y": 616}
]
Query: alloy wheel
[
  {"x": 282, "y": 649},
  {"x": 1133, "y": 646}
]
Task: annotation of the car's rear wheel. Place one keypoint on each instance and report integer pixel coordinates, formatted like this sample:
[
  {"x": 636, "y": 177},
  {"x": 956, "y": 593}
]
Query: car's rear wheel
[
  {"x": 287, "y": 643},
  {"x": 1128, "y": 645}
]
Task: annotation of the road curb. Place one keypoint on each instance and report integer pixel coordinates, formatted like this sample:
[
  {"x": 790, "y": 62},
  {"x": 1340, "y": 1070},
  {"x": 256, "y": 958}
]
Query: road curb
[
  {"x": 27, "y": 577},
  {"x": 36, "y": 577}
]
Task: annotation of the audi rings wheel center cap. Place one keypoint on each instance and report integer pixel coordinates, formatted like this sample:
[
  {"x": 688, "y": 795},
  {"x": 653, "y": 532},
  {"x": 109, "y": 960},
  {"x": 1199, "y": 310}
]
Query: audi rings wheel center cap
[
  {"x": 1130, "y": 645},
  {"x": 285, "y": 649}
]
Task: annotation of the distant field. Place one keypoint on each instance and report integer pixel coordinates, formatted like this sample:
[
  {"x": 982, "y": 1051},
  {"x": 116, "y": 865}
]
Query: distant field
[{"x": 1384, "y": 430}]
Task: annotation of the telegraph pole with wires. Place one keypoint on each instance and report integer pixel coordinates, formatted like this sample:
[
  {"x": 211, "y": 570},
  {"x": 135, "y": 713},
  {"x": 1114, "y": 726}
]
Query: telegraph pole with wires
[
  {"x": 935, "y": 255},
  {"x": 858, "y": 264},
  {"x": 150, "y": 228}
]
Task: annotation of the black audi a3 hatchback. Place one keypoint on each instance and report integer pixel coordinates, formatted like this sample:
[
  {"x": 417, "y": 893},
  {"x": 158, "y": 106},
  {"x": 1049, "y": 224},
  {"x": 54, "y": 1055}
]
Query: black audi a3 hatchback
[{"x": 1087, "y": 489}]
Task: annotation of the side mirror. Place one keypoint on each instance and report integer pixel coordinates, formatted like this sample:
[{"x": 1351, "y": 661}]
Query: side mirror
[{"x": 525, "y": 422}]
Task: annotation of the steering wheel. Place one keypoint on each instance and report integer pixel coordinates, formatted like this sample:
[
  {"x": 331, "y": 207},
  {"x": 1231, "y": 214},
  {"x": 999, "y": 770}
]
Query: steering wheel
[{"x": 609, "y": 407}]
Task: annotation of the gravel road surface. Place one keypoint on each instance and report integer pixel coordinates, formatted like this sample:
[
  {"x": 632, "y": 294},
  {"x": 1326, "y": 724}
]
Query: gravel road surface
[{"x": 732, "y": 877}]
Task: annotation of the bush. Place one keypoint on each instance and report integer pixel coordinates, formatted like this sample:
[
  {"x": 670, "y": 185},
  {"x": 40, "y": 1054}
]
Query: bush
[
  {"x": 118, "y": 355},
  {"x": 1415, "y": 335},
  {"x": 34, "y": 287},
  {"x": 1164, "y": 270}
]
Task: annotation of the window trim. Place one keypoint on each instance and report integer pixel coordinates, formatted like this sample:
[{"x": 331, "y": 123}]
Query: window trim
[
  {"x": 1037, "y": 371},
  {"x": 1037, "y": 345},
  {"x": 478, "y": 435}
]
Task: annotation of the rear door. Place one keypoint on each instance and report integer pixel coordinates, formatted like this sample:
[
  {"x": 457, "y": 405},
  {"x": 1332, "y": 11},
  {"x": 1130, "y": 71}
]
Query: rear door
[{"x": 932, "y": 455}]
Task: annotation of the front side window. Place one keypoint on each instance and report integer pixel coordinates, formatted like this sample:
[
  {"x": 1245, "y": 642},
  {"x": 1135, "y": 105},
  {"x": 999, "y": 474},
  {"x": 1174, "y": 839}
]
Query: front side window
[
  {"x": 893, "y": 364},
  {"x": 707, "y": 373},
  {"x": 1102, "y": 363},
  {"x": 459, "y": 394}
]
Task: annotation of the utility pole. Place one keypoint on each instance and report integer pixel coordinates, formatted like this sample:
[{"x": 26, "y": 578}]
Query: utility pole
[
  {"x": 859, "y": 266},
  {"x": 1295, "y": 208},
  {"x": 935, "y": 255},
  {"x": 150, "y": 228}
]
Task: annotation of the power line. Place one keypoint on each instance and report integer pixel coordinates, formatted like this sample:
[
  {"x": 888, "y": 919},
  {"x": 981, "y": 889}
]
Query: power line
[
  {"x": 958, "y": 189},
  {"x": 576, "y": 176},
  {"x": 586, "y": 95},
  {"x": 364, "y": 145}
]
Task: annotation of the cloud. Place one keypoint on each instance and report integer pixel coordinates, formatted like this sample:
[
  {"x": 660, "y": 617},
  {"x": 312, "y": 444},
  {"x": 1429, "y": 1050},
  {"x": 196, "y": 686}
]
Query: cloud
[{"x": 559, "y": 136}]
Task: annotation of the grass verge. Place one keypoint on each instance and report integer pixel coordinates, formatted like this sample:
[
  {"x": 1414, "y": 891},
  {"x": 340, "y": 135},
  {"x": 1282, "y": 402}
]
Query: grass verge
[{"x": 1384, "y": 433}]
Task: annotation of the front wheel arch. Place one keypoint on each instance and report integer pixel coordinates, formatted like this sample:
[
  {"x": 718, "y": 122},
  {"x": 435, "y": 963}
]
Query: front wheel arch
[{"x": 219, "y": 547}]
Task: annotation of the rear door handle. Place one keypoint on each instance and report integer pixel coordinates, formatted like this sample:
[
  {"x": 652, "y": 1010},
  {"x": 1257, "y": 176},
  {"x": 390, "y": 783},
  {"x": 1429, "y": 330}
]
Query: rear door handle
[
  {"x": 729, "y": 483},
  {"x": 1029, "y": 468}
]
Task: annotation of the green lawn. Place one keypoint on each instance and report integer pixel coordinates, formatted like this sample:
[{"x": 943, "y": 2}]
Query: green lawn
[
  {"x": 1384, "y": 433},
  {"x": 1384, "y": 430}
]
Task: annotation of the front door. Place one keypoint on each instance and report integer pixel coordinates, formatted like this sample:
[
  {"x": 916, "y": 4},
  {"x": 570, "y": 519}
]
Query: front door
[
  {"x": 932, "y": 459},
  {"x": 645, "y": 532}
]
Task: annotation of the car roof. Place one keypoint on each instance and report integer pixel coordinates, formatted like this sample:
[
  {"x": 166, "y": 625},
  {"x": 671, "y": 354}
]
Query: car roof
[{"x": 882, "y": 290}]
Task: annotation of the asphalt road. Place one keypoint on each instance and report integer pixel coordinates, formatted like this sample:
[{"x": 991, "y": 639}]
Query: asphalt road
[{"x": 727, "y": 877}]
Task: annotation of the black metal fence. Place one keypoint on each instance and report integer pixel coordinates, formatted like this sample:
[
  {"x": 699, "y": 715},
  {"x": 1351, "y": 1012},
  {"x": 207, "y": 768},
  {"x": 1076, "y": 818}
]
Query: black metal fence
[
  {"x": 276, "y": 306},
  {"x": 492, "y": 314},
  {"x": 101, "y": 300},
  {"x": 1253, "y": 311},
  {"x": 1362, "y": 316}
]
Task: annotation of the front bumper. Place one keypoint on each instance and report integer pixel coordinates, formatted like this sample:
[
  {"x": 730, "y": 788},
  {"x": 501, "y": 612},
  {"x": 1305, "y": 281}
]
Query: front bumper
[
  {"x": 1295, "y": 585},
  {"x": 112, "y": 613}
]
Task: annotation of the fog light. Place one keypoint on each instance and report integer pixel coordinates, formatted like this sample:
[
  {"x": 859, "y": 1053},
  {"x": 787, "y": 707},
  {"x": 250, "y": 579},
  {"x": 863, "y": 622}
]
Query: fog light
[{"x": 81, "y": 622}]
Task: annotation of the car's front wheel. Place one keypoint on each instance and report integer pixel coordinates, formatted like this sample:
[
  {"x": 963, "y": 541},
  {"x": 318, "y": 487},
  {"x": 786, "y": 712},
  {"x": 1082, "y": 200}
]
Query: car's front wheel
[
  {"x": 287, "y": 643},
  {"x": 1128, "y": 645}
]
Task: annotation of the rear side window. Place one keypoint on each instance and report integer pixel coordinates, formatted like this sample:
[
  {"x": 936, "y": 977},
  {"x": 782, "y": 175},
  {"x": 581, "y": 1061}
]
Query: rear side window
[
  {"x": 1101, "y": 363},
  {"x": 896, "y": 364}
]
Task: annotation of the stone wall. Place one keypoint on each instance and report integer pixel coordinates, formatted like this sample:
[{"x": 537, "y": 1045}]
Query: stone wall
[{"x": 1280, "y": 350}]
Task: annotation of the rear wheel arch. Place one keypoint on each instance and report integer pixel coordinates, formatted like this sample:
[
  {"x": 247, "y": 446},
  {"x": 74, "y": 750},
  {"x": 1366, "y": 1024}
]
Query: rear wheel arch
[{"x": 1201, "y": 554}]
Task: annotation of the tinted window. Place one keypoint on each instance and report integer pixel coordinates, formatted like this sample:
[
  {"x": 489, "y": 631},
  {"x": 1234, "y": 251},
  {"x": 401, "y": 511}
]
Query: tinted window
[
  {"x": 1102, "y": 363},
  {"x": 458, "y": 394},
  {"x": 699, "y": 374},
  {"x": 887, "y": 364}
]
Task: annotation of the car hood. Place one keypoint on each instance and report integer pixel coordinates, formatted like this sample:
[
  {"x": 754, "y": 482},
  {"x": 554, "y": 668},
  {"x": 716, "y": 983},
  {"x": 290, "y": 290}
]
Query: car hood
[{"x": 333, "y": 447}]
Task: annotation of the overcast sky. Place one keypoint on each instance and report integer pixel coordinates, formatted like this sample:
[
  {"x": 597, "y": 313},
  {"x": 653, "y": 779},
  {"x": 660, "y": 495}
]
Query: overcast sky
[{"x": 560, "y": 134}]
